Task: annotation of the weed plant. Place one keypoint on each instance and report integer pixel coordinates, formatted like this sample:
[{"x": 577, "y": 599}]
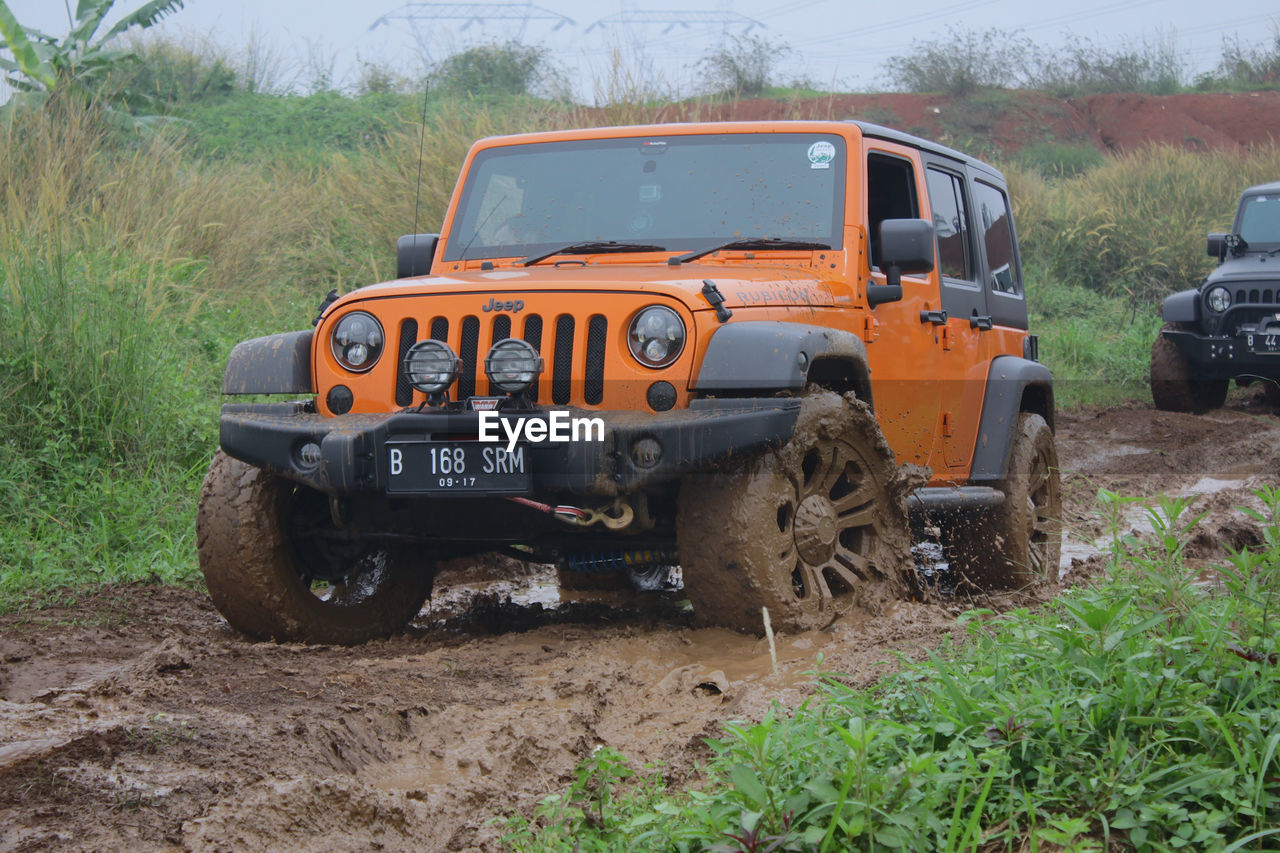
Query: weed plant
[{"x": 1142, "y": 714}]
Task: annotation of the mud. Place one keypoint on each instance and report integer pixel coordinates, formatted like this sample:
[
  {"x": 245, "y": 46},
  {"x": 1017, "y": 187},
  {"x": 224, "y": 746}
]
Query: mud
[{"x": 137, "y": 719}]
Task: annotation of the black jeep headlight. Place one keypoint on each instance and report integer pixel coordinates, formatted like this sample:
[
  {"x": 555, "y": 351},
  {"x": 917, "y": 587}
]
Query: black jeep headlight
[
  {"x": 512, "y": 365},
  {"x": 357, "y": 341},
  {"x": 656, "y": 336},
  {"x": 1219, "y": 299},
  {"x": 430, "y": 366}
]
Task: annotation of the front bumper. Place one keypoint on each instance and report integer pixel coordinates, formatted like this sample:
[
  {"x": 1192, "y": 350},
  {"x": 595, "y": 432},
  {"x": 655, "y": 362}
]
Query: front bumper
[
  {"x": 1227, "y": 356},
  {"x": 353, "y": 455}
]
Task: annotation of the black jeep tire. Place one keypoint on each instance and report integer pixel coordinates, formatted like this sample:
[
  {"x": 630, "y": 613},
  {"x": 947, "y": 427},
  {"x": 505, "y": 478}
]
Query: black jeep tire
[
  {"x": 262, "y": 538},
  {"x": 807, "y": 531},
  {"x": 1172, "y": 386},
  {"x": 1019, "y": 542}
]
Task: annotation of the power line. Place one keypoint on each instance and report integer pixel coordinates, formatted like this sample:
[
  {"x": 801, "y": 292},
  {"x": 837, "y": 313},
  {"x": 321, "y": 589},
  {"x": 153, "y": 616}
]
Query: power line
[{"x": 674, "y": 19}]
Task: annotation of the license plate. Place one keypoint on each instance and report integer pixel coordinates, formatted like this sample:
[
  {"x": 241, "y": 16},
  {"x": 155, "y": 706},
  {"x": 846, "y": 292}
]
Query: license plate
[
  {"x": 1264, "y": 343},
  {"x": 457, "y": 467}
]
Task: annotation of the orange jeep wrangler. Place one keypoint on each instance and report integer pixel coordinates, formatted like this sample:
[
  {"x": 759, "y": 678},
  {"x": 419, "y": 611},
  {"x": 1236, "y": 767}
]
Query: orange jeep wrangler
[{"x": 710, "y": 345}]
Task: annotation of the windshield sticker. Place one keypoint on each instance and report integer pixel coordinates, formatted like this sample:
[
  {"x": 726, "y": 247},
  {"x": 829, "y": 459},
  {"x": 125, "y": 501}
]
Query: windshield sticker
[{"x": 821, "y": 154}]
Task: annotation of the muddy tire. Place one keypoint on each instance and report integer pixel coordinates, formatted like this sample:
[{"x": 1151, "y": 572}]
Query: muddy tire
[
  {"x": 262, "y": 540},
  {"x": 1172, "y": 387},
  {"x": 1019, "y": 542},
  {"x": 807, "y": 531}
]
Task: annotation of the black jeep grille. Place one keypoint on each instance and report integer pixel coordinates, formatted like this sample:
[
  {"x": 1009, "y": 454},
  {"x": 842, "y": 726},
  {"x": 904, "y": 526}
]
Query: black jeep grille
[
  {"x": 1249, "y": 308},
  {"x": 408, "y": 337},
  {"x": 562, "y": 368},
  {"x": 473, "y": 336},
  {"x": 593, "y": 387},
  {"x": 467, "y": 351}
]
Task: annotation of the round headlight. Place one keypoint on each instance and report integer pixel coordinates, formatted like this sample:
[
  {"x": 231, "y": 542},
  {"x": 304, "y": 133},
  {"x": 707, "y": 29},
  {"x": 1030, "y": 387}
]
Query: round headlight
[
  {"x": 430, "y": 366},
  {"x": 357, "y": 341},
  {"x": 656, "y": 336},
  {"x": 512, "y": 365},
  {"x": 1219, "y": 299}
]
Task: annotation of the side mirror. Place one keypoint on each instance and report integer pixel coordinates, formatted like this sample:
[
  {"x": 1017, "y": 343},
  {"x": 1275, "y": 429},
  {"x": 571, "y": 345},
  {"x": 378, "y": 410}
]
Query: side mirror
[
  {"x": 414, "y": 253},
  {"x": 906, "y": 245},
  {"x": 1217, "y": 247}
]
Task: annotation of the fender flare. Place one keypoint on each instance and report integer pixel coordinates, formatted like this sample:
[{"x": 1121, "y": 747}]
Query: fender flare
[
  {"x": 760, "y": 356},
  {"x": 276, "y": 364},
  {"x": 1014, "y": 385},
  {"x": 1181, "y": 307}
]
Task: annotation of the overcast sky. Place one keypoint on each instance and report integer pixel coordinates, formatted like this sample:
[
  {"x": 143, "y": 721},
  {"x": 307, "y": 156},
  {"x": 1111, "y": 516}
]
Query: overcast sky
[{"x": 834, "y": 42}]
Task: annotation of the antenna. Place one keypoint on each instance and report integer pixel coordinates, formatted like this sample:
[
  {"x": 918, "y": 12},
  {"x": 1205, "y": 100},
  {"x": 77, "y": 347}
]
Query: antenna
[{"x": 422, "y": 144}]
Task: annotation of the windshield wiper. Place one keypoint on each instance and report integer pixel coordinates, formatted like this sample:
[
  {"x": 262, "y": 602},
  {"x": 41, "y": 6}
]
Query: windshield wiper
[
  {"x": 747, "y": 243},
  {"x": 591, "y": 247}
]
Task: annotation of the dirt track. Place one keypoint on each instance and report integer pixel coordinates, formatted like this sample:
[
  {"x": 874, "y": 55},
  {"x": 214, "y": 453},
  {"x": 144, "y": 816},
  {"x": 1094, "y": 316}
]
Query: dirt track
[{"x": 137, "y": 719}]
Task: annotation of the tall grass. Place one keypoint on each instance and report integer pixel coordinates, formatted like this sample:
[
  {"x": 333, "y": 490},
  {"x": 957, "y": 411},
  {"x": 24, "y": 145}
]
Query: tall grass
[
  {"x": 1135, "y": 225},
  {"x": 121, "y": 270}
]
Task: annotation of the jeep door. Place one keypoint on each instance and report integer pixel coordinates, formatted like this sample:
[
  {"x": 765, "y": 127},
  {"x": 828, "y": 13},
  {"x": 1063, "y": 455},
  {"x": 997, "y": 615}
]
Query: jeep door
[{"x": 903, "y": 348}]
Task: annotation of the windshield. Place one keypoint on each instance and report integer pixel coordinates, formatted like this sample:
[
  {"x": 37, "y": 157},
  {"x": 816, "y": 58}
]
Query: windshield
[
  {"x": 677, "y": 192},
  {"x": 1260, "y": 219}
]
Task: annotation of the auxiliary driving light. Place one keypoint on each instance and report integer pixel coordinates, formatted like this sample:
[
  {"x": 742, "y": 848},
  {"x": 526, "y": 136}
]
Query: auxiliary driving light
[
  {"x": 357, "y": 341},
  {"x": 1219, "y": 299},
  {"x": 512, "y": 365},
  {"x": 430, "y": 366},
  {"x": 656, "y": 336}
]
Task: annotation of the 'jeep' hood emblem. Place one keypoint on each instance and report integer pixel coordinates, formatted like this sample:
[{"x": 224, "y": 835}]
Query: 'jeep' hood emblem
[{"x": 515, "y": 306}]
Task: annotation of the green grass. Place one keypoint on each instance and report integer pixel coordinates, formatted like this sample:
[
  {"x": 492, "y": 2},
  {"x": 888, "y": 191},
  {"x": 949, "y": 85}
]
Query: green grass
[
  {"x": 111, "y": 388},
  {"x": 1097, "y": 346},
  {"x": 1060, "y": 159},
  {"x": 1141, "y": 714},
  {"x": 249, "y": 126}
]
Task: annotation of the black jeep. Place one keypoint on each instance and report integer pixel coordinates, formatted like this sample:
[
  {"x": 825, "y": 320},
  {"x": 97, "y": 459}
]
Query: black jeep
[{"x": 1228, "y": 327}]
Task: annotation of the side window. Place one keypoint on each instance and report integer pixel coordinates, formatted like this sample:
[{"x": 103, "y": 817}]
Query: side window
[
  {"x": 891, "y": 194},
  {"x": 950, "y": 223},
  {"x": 996, "y": 223}
]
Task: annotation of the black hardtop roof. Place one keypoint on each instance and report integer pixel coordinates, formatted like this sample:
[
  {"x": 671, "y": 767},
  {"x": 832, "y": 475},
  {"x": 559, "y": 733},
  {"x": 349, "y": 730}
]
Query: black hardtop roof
[
  {"x": 877, "y": 131},
  {"x": 1273, "y": 187}
]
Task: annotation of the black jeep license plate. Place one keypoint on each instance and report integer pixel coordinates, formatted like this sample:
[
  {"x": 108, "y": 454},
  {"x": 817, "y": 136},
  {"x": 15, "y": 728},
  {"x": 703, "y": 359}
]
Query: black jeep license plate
[
  {"x": 457, "y": 467},
  {"x": 1260, "y": 343}
]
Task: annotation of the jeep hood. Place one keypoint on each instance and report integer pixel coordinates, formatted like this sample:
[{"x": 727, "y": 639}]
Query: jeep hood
[
  {"x": 1252, "y": 266},
  {"x": 741, "y": 286}
]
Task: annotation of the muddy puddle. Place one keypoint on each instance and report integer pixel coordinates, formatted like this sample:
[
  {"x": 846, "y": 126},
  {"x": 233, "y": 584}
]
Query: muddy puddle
[{"x": 137, "y": 719}]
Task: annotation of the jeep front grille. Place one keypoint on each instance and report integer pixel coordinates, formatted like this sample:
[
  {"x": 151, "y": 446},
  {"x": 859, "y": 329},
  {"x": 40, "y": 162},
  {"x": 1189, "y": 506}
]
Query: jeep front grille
[
  {"x": 1249, "y": 306},
  {"x": 468, "y": 350},
  {"x": 408, "y": 337},
  {"x": 473, "y": 336},
  {"x": 562, "y": 365},
  {"x": 593, "y": 385}
]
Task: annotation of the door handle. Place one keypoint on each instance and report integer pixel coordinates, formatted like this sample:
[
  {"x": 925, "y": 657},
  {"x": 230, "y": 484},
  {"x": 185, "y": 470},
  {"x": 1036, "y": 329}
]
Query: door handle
[
  {"x": 937, "y": 318},
  {"x": 980, "y": 322}
]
